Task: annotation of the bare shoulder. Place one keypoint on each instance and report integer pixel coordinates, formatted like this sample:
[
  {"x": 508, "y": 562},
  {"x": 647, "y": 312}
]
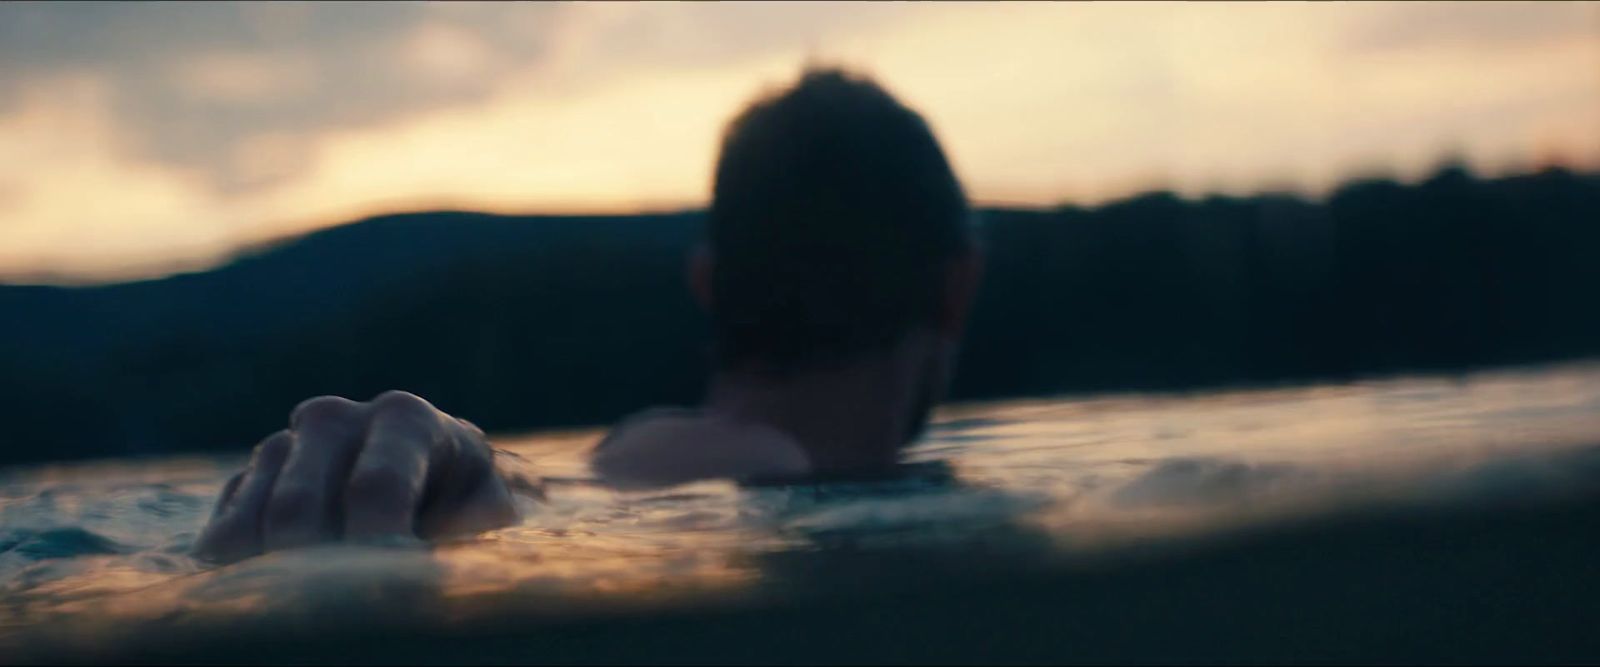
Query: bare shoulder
[{"x": 670, "y": 446}]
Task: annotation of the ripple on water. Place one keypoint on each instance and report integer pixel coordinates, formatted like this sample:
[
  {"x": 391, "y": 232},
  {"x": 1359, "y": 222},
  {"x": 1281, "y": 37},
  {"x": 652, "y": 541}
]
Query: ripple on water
[
  {"x": 106, "y": 542},
  {"x": 58, "y": 543}
]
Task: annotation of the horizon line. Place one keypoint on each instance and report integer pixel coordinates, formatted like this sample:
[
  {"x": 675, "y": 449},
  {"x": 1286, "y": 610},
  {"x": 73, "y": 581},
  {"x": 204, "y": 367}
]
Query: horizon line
[{"x": 130, "y": 274}]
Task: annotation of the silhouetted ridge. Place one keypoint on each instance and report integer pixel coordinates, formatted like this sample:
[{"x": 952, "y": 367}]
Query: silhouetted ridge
[{"x": 530, "y": 321}]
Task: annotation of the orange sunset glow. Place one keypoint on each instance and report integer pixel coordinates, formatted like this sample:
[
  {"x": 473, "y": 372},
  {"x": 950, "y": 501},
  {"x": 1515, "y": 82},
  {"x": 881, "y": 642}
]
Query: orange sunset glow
[{"x": 137, "y": 141}]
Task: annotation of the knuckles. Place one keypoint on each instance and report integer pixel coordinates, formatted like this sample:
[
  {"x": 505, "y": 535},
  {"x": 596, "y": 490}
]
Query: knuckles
[
  {"x": 323, "y": 410},
  {"x": 296, "y": 502},
  {"x": 274, "y": 448},
  {"x": 338, "y": 412},
  {"x": 403, "y": 404}
]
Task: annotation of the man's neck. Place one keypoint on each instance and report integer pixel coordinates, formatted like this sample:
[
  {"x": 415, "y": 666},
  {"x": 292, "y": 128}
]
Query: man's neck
[{"x": 847, "y": 419}]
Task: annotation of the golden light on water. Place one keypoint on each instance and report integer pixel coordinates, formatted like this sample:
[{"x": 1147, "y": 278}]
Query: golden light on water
[
  {"x": 1053, "y": 478},
  {"x": 617, "y": 107}
]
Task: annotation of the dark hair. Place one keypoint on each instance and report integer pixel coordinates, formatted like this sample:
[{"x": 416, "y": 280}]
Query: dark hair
[{"x": 832, "y": 219}]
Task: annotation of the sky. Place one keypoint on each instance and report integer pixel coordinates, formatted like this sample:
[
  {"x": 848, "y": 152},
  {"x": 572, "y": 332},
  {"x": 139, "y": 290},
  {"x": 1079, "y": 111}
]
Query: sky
[{"x": 144, "y": 138}]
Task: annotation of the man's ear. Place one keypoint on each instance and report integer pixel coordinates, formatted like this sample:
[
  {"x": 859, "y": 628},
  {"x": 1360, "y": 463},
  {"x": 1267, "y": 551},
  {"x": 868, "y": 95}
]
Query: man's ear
[
  {"x": 962, "y": 275},
  {"x": 701, "y": 265}
]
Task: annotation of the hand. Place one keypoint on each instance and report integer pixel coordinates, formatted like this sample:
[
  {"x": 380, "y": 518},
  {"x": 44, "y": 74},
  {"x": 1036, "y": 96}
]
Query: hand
[{"x": 393, "y": 466}]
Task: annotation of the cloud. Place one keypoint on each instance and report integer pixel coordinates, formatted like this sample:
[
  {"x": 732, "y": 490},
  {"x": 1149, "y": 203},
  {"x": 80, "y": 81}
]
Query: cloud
[
  {"x": 203, "y": 125},
  {"x": 245, "y": 79},
  {"x": 73, "y": 204},
  {"x": 238, "y": 120},
  {"x": 1471, "y": 25},
  {"x": 190, "y": 83},
  {"x": 442, "y": 53}
]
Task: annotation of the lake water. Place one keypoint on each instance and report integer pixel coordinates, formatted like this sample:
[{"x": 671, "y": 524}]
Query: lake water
[{"x": 1059, "y": 529}]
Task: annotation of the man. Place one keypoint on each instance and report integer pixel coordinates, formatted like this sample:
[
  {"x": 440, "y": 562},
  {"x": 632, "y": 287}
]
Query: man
[{"x": 838, "y": 270}]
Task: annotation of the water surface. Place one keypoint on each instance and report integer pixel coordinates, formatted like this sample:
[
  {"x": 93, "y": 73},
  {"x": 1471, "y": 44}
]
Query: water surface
[{"x": 93, "y": 557}]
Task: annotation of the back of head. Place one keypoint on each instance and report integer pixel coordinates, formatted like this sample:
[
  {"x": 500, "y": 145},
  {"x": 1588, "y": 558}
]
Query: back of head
[{"x": 833, "y": 218}]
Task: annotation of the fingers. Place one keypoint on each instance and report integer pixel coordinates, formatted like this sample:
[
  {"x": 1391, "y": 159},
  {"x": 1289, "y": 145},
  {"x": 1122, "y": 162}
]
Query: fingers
[
  {"x": 234, "y": 531},
  {"x": 467, "y": 494},
  {"x": 228, "y": 489},
  {"x": 404, "y": 439},
  {"x": 303, "y": 508},
  {"x": 393, "y": 466}
]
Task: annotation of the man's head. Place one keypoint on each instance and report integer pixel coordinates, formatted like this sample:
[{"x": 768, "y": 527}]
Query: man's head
[{"x": 837, "y": 230}]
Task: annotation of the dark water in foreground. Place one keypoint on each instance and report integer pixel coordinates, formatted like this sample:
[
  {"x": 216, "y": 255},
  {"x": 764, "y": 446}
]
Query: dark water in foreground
[{"x": 1417, "y": 519}]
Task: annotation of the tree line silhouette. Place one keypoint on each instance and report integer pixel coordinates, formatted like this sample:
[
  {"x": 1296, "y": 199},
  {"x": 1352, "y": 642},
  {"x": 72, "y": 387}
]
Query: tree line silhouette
[{"x": 522, "y": 322}]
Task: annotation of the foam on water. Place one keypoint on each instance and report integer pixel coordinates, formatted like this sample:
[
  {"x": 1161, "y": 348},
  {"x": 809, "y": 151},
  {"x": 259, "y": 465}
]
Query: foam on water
[{"x": 96, "y": 554}]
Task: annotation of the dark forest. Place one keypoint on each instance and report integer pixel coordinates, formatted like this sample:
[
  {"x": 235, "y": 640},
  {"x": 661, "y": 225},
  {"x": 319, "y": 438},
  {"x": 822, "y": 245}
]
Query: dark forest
[{"x": 524, "y": 322}]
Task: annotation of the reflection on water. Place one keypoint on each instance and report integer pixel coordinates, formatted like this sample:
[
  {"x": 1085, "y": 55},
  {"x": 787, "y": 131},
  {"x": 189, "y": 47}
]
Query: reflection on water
[{"x": 97, "y": 552}]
